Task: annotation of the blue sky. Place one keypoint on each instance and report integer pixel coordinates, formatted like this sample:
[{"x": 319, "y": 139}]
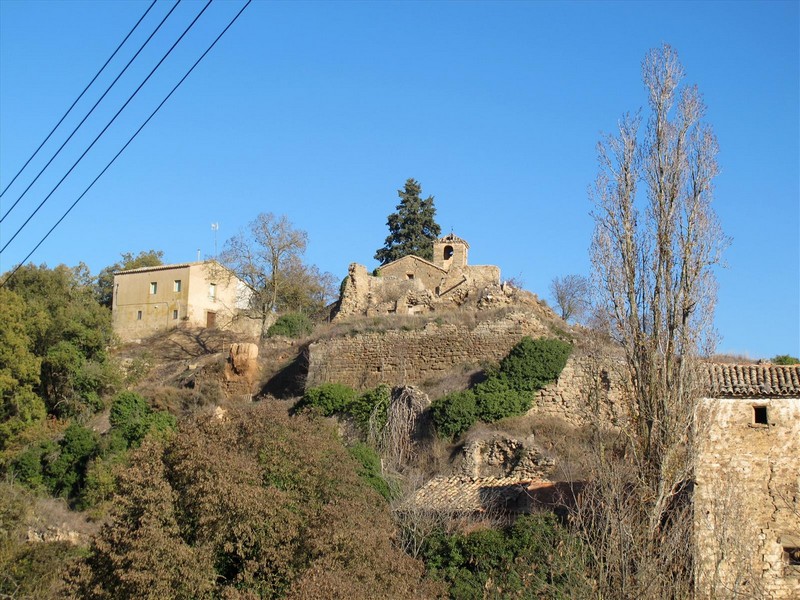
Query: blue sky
[{"x": 321, "y": 110}]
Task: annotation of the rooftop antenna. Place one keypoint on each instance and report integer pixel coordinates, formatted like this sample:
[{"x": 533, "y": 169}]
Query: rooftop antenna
[
  {"x": 215, "y": 228},
  {"x": 198, "y": 255}
]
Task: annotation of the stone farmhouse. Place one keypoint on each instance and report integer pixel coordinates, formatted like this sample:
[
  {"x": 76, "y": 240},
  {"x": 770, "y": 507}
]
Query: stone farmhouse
[
  {"x": 747, "y": 483},
  {"x": 198, "y": 294},
  {"x": 413, "y": 285}
]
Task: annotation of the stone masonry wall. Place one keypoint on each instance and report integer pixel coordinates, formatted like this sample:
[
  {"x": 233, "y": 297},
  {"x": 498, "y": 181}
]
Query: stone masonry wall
[
  {"x": 747, "y": 498},
  {"x": 399, "y": 357}
]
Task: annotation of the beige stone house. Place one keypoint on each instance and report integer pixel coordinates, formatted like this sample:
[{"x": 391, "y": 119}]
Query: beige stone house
[
  {"x": 153, "y": 299},
  {"x": 747, "y": 486},
  {"x": 413, "y": 285}
]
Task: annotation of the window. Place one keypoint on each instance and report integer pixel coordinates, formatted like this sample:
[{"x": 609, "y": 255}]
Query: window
[
  {"x": 791, "y": 556},
  {"x": 138, "y": 315},
  {"x": 153, "y": 287},
  {"x": 410, "y": 275},
  {"x": 212, "y": 291},
  {"x": 448, "y": 252},
  {"x": 174, "y": 314},
  {"x": 176, "y": 287},
  {"x": 760, "y": 415}
]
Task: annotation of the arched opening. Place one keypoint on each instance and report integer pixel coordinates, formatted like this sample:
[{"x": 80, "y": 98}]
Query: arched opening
[{"x": 448, "y": 252}]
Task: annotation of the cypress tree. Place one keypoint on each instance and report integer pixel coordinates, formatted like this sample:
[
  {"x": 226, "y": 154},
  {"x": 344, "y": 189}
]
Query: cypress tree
[{"x": 412, "y": 229}]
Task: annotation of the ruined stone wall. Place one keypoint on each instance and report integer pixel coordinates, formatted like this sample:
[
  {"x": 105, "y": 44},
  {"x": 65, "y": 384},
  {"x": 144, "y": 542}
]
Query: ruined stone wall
[
  {"x": 747, "y": 498},
  {"x": 399, "y": 357}
]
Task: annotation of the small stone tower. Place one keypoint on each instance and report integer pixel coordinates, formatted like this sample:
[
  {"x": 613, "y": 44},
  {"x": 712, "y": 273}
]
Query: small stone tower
[{"x": 450, "y": 252}]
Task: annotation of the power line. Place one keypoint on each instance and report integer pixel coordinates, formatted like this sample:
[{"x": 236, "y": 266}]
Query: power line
[
  {"x": 88, "y": 85},
  {"x": 141, "y": 85},
  {"x": 108, "y": 89},
  {"x": 116, "y": 156}
]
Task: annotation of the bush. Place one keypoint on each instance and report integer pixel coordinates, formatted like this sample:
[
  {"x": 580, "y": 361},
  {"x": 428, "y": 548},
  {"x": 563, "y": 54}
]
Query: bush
[
  {"x": 293, "y": 325},
  {"x": 532, "y": 364},
  {"x": 132, "y": 418},
  {"x": 337, "y": 399},
  {"x": 785, "y": 359},
  {"x": 364, "y": 405},
  {"x": 535, "y": 557},
  {"x": 496, "y": 398},
  {"x": 369, "y": 469},
  {"x": 507, "y": 392},
  {"x": 329, "y": 398},
  {"x": 454, "y": 414}
]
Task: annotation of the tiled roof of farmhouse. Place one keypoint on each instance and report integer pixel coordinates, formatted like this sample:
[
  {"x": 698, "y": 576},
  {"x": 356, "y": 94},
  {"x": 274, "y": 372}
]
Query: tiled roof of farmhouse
[
  {"x": 735, "y": 381},
  {"x": 158, "y": 268},
  {"x": 477, "y": 494}
]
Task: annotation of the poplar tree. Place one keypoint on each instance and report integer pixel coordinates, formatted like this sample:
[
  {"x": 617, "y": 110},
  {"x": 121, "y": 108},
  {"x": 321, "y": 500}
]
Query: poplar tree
[{"x": 412, "y": 229}]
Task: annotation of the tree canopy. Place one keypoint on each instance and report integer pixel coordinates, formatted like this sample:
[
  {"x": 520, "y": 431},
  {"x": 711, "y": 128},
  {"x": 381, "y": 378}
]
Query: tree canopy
[
  {"x": 267, "y": 258},
  {"x": 412, "y": 229}
]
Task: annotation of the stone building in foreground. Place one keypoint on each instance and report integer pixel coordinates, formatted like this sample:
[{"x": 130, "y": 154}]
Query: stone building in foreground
[{"x": 747, "y": 492}]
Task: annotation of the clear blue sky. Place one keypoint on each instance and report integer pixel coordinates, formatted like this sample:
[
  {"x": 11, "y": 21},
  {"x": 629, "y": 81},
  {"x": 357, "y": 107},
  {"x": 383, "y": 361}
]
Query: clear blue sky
[{"x": 321, "y": 110}]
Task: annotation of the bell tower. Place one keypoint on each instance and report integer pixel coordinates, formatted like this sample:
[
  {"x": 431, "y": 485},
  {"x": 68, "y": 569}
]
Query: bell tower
[{"x": 450, "y": 252}]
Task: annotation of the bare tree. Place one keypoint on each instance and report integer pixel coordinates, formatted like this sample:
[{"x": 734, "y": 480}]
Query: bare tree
[
  {"x": 571, "y": 295},
  {"x": 267, "y": 258},
  {"x": 652, "y": 256}
]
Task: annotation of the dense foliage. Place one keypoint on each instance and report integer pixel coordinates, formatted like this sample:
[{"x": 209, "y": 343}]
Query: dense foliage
[
  {"x": 292, "y": 325},
  {"x": 78, "y": 466},
  {"x": 536, "y": 557},
  {"x": 785, "y": 359},
  {"x": 53, "y": 340},
  {"x": 337, "y": 399},
  {"x": 412, "y": 229},
  {"x": 255, "y": 505},
  {"x": 508, "y": 392}
]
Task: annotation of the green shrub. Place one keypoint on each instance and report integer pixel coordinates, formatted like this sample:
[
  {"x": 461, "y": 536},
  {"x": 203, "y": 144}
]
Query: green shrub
[
  {"x": 785, "y": 359},
  {"x": 293, "y": 325},
  {"x": 533, "y": 363},
  {"x": 496, "y": 398},
  {"x": 65, "y": 474},
  {"x": 132, "y": 419},
  {"x": 536, "y": 557},
  {"x": 507, "y": 391},
  {"x": 329, "y": 398},
  {"x": 362, "y": 407},
  {"x": 454, "y": 414},
  {"x": 369, "y": 469}
]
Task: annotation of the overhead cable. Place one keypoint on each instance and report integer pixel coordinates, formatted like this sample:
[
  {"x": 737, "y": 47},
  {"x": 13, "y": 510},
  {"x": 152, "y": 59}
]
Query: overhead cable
[
  {"x": 88, "y": 85},
  {"x": 117, "y": 155},
  {"x": 141, "y": 85},
  {"x": 108, "y": 89}
]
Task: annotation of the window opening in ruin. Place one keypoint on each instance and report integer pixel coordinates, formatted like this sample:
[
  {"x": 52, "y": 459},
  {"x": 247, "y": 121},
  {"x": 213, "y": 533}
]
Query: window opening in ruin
[
  {"x": 138, "y": 315},
  {"x": 174, "y": 314},
  {"x": 177, "y": 286},
  {"x": 153, "y": 287},
  {"x": 410, "y": 275},
  {"x": 760, "y": 415},
  {"x": 448, "y": 252},
  {"x": 792, "y": 556}
]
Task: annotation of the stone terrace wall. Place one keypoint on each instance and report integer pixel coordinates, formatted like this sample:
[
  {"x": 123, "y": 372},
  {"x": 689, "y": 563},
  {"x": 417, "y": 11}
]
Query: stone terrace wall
[{"x": 399, "y": 357}]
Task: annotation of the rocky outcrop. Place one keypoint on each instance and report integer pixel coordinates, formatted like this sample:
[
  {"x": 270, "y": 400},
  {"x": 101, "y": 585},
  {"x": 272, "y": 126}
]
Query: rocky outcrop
[{"x": 502, "y": 456}]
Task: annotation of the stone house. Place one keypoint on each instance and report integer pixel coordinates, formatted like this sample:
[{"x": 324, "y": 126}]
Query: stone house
[
  {"x": 198, "y": 294},
  {"x": 747, "y": 483},
  {"x": 413, "y": 285}
]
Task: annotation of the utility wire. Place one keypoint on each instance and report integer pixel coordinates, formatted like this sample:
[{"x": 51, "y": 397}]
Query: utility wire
[
  {"x": 108, "y": 89},
  {"x": 88, "y": 85},
  {"x": 141, "y": 85},
  {"x": 177, "y": 85}
]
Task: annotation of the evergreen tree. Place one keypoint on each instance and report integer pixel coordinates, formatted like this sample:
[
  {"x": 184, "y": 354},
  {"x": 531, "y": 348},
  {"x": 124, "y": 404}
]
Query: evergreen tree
[{"x": 412, "y": 228}]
